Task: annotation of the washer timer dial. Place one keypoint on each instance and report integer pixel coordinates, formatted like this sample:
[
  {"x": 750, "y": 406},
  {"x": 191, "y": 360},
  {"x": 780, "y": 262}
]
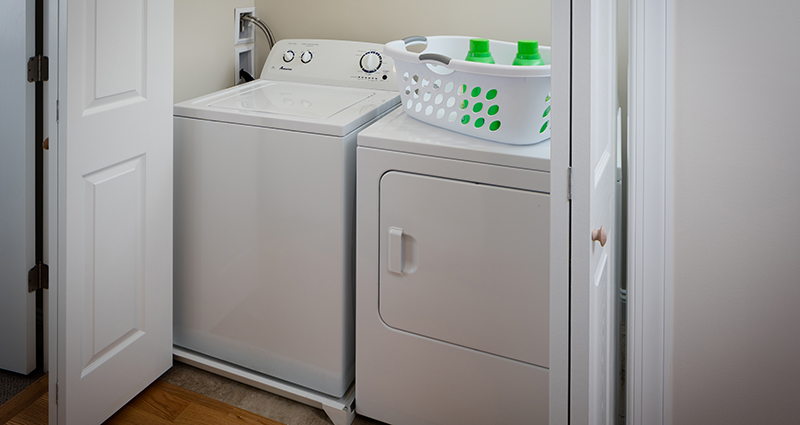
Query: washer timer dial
[{"x": 371, "y": 62}]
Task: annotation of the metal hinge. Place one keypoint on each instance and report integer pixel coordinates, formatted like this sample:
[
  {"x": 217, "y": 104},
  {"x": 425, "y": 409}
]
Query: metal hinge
[
  {"x": 38, "y": 277},
  {"x": 569, "y": 183},
  {"x": 38, "y": 69}
]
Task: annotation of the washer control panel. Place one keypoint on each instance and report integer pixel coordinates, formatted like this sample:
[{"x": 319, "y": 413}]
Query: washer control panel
[{"x": 332, "y": 62}]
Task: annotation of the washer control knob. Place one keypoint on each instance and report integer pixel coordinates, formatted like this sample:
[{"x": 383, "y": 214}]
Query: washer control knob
[
  {"x": 288, "y": 56},
  {"x": 306, "y": 56},
  {"x": 371, "y": 61}
]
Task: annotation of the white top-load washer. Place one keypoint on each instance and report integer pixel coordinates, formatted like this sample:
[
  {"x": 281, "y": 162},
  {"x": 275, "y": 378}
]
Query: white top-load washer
[
  {"x": 452, "y": 279},
  {"x": 264, "y": 213}
]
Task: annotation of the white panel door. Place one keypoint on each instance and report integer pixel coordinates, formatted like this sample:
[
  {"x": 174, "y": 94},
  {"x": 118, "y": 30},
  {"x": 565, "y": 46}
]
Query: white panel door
[
  {"x": 594, "y": 108},
  {"x": 115, "y": 203},
  {"x": 17, "y": 191}
]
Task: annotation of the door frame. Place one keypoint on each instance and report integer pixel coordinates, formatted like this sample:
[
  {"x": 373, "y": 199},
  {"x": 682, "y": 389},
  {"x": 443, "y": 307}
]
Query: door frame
[
  {"x": 650, "y": 222},
  {"x": 560, "y": 210},
  {"x": 651, "y": 170},
  {"x": 53, "y": 26}
]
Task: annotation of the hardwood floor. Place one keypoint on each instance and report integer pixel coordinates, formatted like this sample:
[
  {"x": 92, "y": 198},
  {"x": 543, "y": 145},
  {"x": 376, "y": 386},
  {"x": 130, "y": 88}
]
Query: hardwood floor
[
  {"x": 160, "y": 403},
  {"x": 28, "y": 397}
]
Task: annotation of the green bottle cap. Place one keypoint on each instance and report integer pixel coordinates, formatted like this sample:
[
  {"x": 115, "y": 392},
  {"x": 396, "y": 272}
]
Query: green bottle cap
[
  {"x": 479, "y": 51},
  {"x": 528, "y": 47},
  {"x": 528, "y": 53},
  {"x": 479, "y": 45}
]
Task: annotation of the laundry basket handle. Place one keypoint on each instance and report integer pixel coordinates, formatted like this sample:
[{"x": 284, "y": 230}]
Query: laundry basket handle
[
  {"x": 415, "y": 39},
  {"x": 436, "y": 57}
]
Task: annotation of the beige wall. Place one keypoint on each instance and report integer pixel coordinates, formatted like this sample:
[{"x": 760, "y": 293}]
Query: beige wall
[
  {"x": 382, "y": 21},
  {"x": 204, "y": 46},
  {"x": 736, "y": 318}
]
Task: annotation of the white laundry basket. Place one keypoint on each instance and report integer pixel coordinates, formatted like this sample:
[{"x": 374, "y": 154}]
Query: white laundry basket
[{"x": 497, "y": 102}]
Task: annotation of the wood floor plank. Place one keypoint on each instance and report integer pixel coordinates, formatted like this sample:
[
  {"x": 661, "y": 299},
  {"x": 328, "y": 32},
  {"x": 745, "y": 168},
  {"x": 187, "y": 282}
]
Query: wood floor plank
[
  {"x": 192, "y": 397},
  {"x": 196, "y": 414},
  {"x": 132, "y": 416},
  {"x": 202, "y": 415},
  {"x": 28, "y": 396},
  {"x": 34, "y": 414},
  {"x": 159, "y": 403}
]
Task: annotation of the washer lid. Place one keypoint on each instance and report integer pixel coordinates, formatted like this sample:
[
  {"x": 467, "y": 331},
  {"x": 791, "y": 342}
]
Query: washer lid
[
  {"x": 298, "y": 100},
  {"x": 398, "y": 131},
  {"x": 309, "y": 108}
]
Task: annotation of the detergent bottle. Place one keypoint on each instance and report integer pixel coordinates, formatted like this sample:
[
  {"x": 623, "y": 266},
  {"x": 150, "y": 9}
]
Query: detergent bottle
[{"x": 528, "y": 53}]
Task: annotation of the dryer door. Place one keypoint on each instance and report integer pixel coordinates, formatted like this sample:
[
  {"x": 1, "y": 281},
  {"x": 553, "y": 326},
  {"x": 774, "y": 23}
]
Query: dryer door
[{"x": 466, "y": 264}]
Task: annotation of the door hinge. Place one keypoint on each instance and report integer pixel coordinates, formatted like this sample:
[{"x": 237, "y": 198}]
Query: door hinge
[
  {"x": 38, "y": 277},
  {"x": 569, "y": 183},
  {"x": 38, "y": 69}
]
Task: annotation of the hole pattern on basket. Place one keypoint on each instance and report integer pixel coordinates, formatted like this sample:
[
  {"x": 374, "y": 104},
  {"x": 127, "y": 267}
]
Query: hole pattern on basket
[
  {"x": 405, "y": 76},
  {"x": 483, "y": 106}
]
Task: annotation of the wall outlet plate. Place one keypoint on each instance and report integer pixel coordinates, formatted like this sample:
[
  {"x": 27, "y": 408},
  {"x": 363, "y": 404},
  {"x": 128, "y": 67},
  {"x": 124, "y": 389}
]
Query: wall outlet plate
[
  {"x": 244, "y": 58},
  {"x": 243, "y": 33}
]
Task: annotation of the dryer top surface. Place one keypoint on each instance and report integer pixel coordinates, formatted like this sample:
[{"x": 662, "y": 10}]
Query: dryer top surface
[{"x": 398, "y": 131}]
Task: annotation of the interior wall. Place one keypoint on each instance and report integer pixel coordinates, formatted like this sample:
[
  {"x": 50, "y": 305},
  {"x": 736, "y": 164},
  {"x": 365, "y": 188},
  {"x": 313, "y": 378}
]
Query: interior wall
[
  {"x": 736, "y": 212},
  {"x": 204, "y": 55},
  {"x": 381, "y": 22}
]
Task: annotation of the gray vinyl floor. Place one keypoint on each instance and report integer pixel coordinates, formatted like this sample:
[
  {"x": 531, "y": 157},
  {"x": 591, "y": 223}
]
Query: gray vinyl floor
[{"x": 248, "y": 398}]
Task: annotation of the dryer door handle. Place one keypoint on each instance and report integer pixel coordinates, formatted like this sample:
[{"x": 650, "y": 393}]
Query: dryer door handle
[{"x": 395, "y": 250}]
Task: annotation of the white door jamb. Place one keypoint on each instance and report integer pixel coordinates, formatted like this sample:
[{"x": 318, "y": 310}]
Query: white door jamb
[{"x": 650, "y": 174}]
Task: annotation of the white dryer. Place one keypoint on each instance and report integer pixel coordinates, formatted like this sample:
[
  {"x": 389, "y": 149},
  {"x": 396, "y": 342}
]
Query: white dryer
[
  {"x": 264, "y": 216},
  {"x": 452, "y": 280}
]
